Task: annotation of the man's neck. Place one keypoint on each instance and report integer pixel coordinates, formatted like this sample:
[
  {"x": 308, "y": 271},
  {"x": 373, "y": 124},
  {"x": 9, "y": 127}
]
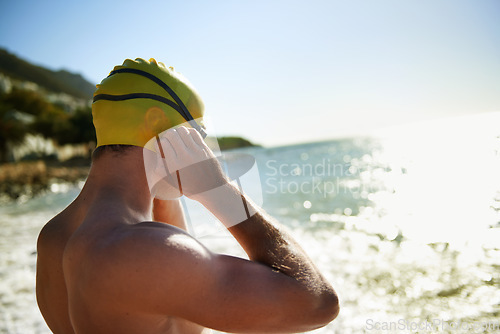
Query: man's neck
[{"x": 119, "y": 179}]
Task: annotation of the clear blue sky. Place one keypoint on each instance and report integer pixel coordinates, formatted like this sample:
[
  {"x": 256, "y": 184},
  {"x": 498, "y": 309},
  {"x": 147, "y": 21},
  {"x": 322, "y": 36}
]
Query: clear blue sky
[{"x": 283, "y": 71}]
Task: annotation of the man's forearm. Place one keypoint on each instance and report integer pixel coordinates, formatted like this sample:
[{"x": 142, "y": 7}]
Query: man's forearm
[{"x": 264, "y": 240}]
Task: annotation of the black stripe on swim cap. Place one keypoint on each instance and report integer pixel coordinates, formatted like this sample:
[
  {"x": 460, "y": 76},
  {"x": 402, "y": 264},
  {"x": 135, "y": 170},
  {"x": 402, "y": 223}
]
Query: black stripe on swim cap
[
  {"x": 125, "y": 97},
  {"x": 185, "y": 113}
]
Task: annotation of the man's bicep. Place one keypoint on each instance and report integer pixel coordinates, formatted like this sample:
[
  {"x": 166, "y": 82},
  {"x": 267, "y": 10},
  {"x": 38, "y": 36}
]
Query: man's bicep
[
  {"x": 236, "y": 295},
  {"x": 169, "y": 211}
]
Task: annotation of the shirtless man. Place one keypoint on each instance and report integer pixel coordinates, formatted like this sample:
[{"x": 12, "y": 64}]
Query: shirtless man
[{"x": 117, "y": 260}]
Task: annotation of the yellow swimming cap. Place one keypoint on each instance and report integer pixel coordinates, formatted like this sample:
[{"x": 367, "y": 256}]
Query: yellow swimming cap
[{"x": 141, "y": 99}]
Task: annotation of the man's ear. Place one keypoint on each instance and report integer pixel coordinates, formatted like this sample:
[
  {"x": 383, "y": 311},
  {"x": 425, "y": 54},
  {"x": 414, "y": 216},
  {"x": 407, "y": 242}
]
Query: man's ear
[{"x": 155, "y": 121}]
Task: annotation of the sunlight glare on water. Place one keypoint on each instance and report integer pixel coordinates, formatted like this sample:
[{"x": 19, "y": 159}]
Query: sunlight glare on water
[
  {"x": 399, "y": 223},
  {"x": 450, "y": 178}
]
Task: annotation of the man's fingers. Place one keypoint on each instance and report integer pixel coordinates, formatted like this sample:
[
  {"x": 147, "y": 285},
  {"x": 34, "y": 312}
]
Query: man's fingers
[
  {"x": 168, "y": 154},
  {"x": 201, "y": 143},
  {"x": 176, "y": 142},
  {"x": 187, "y": 137},
  {"x": 182, "y": 147},
  {"x": 162, "y": 145},
  {"x": 197, "y": 137}
]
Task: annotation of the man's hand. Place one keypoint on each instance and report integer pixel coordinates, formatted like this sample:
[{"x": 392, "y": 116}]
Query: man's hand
[
  {"x": 190, "y": 164},
  {"x": 185, "y": 165}
]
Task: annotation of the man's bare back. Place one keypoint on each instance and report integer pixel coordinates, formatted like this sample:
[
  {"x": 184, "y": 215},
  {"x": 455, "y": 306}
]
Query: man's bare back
[{"x": 58, "y": 238}]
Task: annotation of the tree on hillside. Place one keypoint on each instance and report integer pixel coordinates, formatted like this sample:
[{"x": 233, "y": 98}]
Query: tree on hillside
[
  {"x": 49, "y": 121},
  {"x": 27, "y": 101},
  {"x": 66, "y": 128},
  {"x": 81, "y": 128},
  {"x": 52, "y": 123},
  {"x": 12, "y": 130}
]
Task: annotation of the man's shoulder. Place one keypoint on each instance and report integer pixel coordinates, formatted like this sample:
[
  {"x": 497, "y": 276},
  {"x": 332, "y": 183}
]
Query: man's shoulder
[
  {"x": 131, "y": 264},
  {"x": 54, "y": 234},
  {"x": 145, "y": 244},
  {"x": 157, "y": 235}
]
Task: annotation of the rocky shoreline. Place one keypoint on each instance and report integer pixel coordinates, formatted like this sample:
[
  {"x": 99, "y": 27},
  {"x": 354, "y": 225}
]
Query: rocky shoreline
[
  {"x": 29, "y": 179},
  {"x": 26, "y": 179}
]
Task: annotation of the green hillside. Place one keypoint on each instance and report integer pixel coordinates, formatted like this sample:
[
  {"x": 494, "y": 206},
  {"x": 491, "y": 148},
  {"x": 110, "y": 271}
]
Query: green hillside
[
  {"x": 229, "y": 143},
  {"x": 55, "y": 81}
]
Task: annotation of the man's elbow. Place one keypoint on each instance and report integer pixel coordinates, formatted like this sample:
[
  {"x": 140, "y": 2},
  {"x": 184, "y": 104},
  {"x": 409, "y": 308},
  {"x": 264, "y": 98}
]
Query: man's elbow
[
  {"x": 318, "y": 312},
  {"x": 328, "y": 308},
  {"x": 325, "y": 311}
]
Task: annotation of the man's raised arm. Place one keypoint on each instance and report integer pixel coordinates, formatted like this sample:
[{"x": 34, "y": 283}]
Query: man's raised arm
[
  {"x": 268, "y": 243},
  {"x": 264, "y": 240}
]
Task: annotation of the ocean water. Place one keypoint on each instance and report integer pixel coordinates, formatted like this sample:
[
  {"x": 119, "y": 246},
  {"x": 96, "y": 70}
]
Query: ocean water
[{"x": 405, "y": 223}]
